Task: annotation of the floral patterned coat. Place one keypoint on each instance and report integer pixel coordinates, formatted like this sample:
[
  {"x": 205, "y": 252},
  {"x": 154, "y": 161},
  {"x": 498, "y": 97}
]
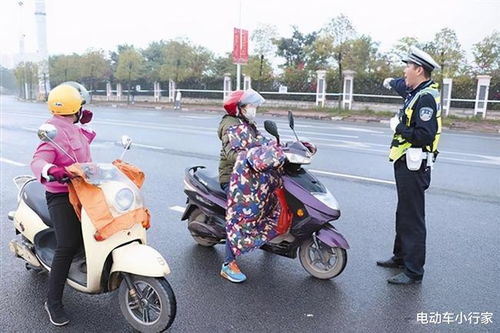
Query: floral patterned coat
[{"x": 252, "y": 207}]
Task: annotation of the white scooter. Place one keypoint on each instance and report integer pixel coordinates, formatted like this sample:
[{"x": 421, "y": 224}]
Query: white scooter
[{"x": 122, "y": 261}]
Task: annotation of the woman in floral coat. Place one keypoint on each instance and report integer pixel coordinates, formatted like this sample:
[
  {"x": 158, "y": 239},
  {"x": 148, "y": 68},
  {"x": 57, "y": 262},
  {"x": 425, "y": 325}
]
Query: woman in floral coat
[{"x": 252, "y": 208}]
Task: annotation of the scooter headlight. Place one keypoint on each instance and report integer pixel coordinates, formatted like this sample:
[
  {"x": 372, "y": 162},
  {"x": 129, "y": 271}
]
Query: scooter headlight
[
  {"x": 297, "y": 159},
  {"x": 328, "y": 199},
  {"x": 124, "y": 199}
]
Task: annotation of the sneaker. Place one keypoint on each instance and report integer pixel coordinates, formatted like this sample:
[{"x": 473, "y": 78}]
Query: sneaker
[
  {"x": 232, "y": 272},
  {"x": 57, "y": 315}
]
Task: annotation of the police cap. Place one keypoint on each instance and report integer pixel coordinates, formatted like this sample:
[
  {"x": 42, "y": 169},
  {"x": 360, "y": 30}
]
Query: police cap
[{"x": 421, "y": 58}]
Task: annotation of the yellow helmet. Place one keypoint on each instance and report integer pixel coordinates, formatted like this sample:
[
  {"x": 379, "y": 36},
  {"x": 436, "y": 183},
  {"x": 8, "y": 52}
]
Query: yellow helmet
[{"x": 64, "y": 100}]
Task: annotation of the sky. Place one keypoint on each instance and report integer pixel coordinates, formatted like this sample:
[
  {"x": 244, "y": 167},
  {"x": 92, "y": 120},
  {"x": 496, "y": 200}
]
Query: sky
[{"x": 74, "y": 26}]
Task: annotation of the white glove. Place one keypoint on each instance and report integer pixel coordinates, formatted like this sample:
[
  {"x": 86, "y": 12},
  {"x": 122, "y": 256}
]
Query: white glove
[
  {"x": 394, "y": 122},
  {"x": 387, "y": 82}
]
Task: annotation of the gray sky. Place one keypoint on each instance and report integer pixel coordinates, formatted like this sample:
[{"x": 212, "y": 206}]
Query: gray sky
[{"x": 74, "y": 26}]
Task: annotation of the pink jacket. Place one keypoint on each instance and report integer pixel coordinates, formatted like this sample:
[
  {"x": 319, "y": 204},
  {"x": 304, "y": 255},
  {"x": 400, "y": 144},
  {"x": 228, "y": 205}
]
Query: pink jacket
[{"x": 75, "y": 140}]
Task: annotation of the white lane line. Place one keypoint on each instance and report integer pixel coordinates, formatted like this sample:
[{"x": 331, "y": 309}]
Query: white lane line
[
  {"x": 31, "y": 129},
  {"x": 354, "y": 129},
  {"x": 368, "y": 179},
  {"x": 198, "y": 117},
  {"x": 326, "y": 134},
  {"x": 178, "y": 209},
  {"x": 5, "y": 160},
  {"x": 147, "y": 146}
]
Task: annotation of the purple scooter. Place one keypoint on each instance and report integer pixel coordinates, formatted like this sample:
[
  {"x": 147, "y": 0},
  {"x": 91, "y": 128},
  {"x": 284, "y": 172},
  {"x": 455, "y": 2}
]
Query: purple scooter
[{"x": 321, "y": 248}]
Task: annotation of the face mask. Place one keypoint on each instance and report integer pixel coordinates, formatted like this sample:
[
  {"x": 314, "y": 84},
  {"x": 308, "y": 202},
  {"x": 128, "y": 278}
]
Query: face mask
[{"x": 250, "y": 113}]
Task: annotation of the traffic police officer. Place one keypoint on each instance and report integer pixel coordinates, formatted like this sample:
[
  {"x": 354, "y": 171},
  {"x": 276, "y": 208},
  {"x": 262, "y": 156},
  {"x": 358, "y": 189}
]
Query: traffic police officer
[{"x": 417, "y": 129}]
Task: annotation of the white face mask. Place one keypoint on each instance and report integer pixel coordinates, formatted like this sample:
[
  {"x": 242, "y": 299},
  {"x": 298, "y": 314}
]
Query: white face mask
[{"x": 250, "y": 113}]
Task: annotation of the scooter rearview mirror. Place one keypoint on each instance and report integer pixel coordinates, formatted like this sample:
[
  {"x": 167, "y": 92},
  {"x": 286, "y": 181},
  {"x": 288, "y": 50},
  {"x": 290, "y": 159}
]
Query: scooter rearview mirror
[
  {"x": 47, "y": 132},
  {"x": 126, "y": 142},
  {"x": 272, "y": 129},
  {"x": 290, "y": 119},
  {"x": 292, "y": 124}
]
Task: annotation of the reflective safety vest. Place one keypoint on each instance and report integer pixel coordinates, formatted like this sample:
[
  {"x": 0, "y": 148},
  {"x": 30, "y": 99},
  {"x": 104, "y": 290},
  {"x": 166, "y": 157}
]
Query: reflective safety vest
[{"x": 399, "y": 145}]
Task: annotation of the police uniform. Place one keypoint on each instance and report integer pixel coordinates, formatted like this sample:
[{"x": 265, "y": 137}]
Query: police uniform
[{"x": 415, "y": 139}]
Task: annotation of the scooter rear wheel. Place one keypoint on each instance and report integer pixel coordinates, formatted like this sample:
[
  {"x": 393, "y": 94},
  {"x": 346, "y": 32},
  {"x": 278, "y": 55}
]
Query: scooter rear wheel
[
  {"x": 197, "y": 216},
  {"x": 322, "y": 261},
  {"x": 154, "y": 308}
]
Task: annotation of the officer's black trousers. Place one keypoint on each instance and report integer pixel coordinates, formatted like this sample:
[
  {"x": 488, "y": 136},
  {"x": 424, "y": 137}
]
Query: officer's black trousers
[
  {"x": 409, "y": 245},
  {"x": 69, "y": 241}
]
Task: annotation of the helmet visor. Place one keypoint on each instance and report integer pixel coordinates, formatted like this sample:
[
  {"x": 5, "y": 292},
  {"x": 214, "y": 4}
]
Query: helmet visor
[{"x": 252, "y": 97}]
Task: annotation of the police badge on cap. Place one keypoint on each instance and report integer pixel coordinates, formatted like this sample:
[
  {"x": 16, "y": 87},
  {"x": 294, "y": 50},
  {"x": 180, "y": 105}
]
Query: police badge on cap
[{"x": 421, "y": 58}]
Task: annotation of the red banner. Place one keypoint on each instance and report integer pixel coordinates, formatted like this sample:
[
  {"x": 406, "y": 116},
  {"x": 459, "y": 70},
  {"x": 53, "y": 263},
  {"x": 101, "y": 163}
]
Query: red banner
[
  {"x": 244, "y": 46},
  {"x": 240, "y": 46},
  {"x": 236, "y": 45}
]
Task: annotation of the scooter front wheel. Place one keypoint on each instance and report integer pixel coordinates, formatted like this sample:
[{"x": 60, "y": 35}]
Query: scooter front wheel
[
  {"x": 151, "y": 307},
  {"x": 320, "y": 260}
]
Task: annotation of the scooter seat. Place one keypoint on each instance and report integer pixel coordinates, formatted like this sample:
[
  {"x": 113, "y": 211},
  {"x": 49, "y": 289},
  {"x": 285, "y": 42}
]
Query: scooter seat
[
  {"x": 34, "y": 195},
  {"x": 210, "y": 182}
]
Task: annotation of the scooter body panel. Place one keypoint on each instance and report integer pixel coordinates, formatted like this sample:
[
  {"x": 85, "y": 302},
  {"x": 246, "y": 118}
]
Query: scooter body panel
[
  {"x": 139, "y": 259},
  {"x": 27, "y": 222},
  {"x": 332, "y": 237},
  {"x": 97, "y": 252}
]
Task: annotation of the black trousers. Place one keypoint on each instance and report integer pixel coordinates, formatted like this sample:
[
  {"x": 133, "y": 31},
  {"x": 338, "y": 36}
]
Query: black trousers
[
  {"x": 409, "y": 245},
  {"x": 69, "y": 240}
]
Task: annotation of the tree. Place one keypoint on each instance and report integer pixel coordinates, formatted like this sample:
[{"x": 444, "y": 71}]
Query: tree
[
  {"x": 341, "y": 31},
  {"x": 222, "y": 65},
  {"x": 178, "y": 60},
  {"x": 402, "y": 48},
  {"x": 94, "y": 67},
  {"x": 362, "y": 55},
  {"x": 319, "y": 53},
  {"x": 293, "y": 49},
  {"x": 64, "y": 68},
  {"x": 487, "y": 54},
  {"x": 263, "y": 38},
  {"x": 129, "y": 67},
  {"x": 200, "y": 62},
  {"x": 154, "y": 56},
  {"x": 7, "y": 79},
  {"x": 447, "y": 52},
  {"x": 27, "y": 77},
  {"x": 259, "y": 69},
  {"x": 296, "y": 78}
]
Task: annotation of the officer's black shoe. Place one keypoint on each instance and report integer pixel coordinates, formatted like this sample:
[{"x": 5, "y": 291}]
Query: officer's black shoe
[
  {"x": 57, "y": 315},
  {"x": 391, "y": 263},
  {"x": 402, "y": 278}
]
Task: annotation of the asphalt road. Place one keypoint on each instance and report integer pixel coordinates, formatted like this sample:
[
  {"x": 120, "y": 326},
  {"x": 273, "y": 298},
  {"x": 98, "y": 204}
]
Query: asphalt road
[{"x": 463, "y": 209}]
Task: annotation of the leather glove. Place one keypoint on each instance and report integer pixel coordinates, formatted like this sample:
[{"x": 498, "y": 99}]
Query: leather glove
[
  {"x": 394, "y": 122},
  {"x": 387, "y": 83},
  {"x": 59, "y": 173},
  {"x": 86, "y": 116}
]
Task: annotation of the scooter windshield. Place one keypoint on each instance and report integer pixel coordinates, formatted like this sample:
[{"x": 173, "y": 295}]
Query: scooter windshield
[
  {"x": 99, "y": 173},
  {"x": 120, "y": 192}
]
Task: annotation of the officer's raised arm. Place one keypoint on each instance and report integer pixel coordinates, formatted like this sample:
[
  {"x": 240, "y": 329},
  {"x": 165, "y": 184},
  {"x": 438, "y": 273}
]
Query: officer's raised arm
[{"x": 399, "y": 86}]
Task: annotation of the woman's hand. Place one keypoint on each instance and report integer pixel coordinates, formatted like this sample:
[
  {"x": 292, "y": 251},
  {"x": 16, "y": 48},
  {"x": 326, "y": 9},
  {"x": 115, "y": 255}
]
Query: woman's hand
[{"x": 59, "y": 173}]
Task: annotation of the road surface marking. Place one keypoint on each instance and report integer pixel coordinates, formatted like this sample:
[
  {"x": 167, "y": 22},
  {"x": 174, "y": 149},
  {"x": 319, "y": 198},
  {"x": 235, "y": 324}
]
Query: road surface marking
[
  {"x": 5, "y": 160},
  {"x": 147, "y": 146},
  {"x": 178, "y": 209},
  {"x": 368, "y": 179}
]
